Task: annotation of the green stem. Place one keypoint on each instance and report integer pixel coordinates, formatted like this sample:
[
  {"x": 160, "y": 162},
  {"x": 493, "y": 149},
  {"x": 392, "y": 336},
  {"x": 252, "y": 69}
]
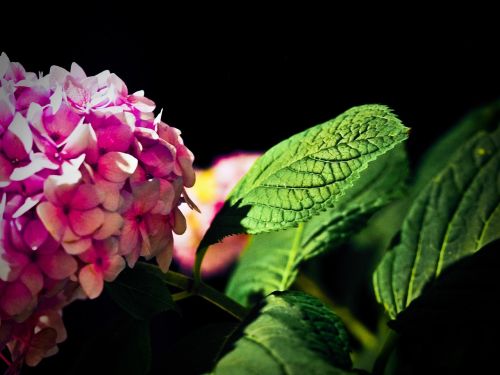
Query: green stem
[
  {"x": 189, "y": 288},
  {"x": 181, "y": 295},
  {"x": 178, "y": 280},
  {"x": 200, "y": 254},
  {"x": 385, "y": 353},
  {"x": 353, "y": 325},
  {"x": 222, "y": 301}
]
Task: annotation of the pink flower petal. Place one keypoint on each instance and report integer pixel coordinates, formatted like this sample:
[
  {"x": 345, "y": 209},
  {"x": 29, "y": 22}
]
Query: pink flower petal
[
  {"x": 116, "y": 166},
  {"x": 4, "y": 64},
  {"x": 57, "y": 266},
  {"x": 38, "y": 163},
  {"x": 110, "y": 192},
  {"x": 91, "y": 281},
  {"x": 76, "y": 93},
  {"x": 115, "y": 133},
  {"x": 56, "y": 99},
  {"x": 129, "y": 239},
  {"x": 59, "y": 123},
  {"x": 60, "y": 189},
  {"x": 82, "y": 140},
  {"x": 27, "y": 95},
  {"x": 146, "y": 195},
  {"x": 166, "y": 199},
  {"x": 35, "y": 234},
  {"x": 142, "y": 103},
  {"x": 28, "y": 204},
  {"x": 132, "y": 258},
  {"x": 86, "y": 197},
  {"x": 164, "y": 257},
  {"x": 179, "y": 226},
  {"x": 18, "y": 140},
  {"x": 159, "y": 159},
  {"x": 53, "y": 218},
  {"x": 116, "y": 265},
  {"x": 33, "y": 279},
  {"x": 111, "y": 226},
  {"x": 77, "y": 71},
  {"x": 53, "y": 319},
  {"x": 159, "y": 232},
  {"x": 16, "y": 298},
  {"x": 78, "y": 246},
  {"x": 7, "y": 111},
  {"x": 86, "y": 222},
  {"x": 6, "y": 169},
  {"x": 40, "y": 345},
  {"x": 16, "y": 261},
  {"x": 188, "y": 174}
]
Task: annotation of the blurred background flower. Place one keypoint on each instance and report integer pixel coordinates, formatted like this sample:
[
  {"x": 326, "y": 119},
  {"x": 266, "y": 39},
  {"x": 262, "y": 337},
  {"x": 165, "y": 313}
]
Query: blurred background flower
[{"x": 209, "y": 193}]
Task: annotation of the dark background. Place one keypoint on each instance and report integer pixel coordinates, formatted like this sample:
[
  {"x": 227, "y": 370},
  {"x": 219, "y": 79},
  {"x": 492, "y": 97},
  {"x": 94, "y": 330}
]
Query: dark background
[{"x": 247, "y": 80}]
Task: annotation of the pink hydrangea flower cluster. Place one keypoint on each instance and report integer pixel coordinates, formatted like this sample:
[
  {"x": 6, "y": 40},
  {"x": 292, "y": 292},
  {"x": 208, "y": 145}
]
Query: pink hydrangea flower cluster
[
  {"x": 90, "y": 180},
  {"x": 212, "y": 187}
]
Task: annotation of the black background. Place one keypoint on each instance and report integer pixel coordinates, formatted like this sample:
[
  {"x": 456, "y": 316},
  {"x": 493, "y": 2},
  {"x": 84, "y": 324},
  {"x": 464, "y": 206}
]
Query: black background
[{"x": 246, "y": 79}]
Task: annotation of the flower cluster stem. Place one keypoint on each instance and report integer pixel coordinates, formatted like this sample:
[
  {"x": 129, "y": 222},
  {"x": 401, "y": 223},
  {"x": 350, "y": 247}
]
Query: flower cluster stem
[
  {"x": 4, "y": 358},
  {"x": 217, "y": 298}
]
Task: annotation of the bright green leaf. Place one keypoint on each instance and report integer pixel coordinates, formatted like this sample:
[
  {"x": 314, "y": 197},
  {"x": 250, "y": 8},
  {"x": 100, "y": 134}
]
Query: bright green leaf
[
  {"x": 291, "y": 333},
  {"x": 455, "y": 215},
  {"x": 305, "y": 174},
  {"x": 141, "y": 292},
  {"x": 271, "y": 261}
]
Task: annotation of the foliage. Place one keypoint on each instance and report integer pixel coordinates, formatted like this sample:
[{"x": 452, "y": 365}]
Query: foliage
[{"x": 304, "y": 203}]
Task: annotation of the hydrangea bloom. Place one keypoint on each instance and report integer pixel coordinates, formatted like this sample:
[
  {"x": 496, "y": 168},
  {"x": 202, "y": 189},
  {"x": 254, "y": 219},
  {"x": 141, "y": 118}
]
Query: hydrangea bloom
[
  {"x": 212, "y": 187},
  {"x": 89, "y": 179}
]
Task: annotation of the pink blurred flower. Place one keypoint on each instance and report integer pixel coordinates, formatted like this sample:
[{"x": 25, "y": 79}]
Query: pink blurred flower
[
  {"x": 212, "y": 187},
  {"x": 89, "y": 177}
]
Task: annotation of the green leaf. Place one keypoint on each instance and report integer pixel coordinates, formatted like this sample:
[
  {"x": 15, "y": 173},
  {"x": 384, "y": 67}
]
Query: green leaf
[
  {"x": 305, "y": 174},
  {"x": 435, "y": 159},
  {"x": 455, "y": 215},
  {"x": 387, "y": 222},
  {"x": 271, "y": 261},
  {"x": 452, "y": 328},
  {"x": 141, "y": 292},
  {"x": 291, "y": 333}
]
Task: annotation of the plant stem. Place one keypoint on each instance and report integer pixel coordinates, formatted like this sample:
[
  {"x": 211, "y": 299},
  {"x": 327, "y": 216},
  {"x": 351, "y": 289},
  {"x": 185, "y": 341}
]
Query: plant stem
[
  {"x": 385, "y": 353},
  {"x": 178, "y": 280},
  {"x": 357, "y": 329},
  {"x": 181, "y": 295},
  {"x": 222, "y": 301},
  {"x": 189, "y": 288},
  {"x": 200, "y": 254}
]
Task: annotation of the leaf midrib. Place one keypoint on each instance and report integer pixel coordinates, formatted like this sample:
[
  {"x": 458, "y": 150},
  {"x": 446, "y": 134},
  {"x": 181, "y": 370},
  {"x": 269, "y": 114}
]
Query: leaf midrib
[{"x": 444, "y": 242}]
